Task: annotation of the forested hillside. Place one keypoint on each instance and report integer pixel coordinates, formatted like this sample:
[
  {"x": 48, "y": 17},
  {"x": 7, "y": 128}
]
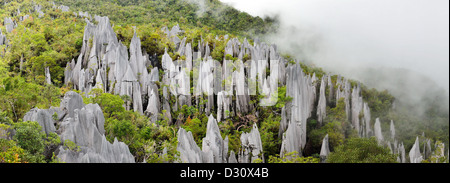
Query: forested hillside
[{"x": 166, "y": 81}]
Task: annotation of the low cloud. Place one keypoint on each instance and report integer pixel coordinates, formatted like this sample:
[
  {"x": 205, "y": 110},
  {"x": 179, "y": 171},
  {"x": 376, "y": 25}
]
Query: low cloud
[{"x": 352, "y": 37}]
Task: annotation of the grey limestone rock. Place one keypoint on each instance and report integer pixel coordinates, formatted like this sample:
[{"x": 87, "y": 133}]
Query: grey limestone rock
[
  {"x": 343, "y": 91},
  {"x": 401, "y": 153},
  {"x": 283, "y": 123},
  {"x": 86, "y": 129},
  {"x": 427, "y": 149},
  {"x": 242, "y": 95},
  {"x": 70, "y": 102},
  {"x": 2, "y": 38},
  {"x": 189, "y": 150},
  {"x": 414, "y": 154},
  {"x": 232, "y": 158},
  {"x": 214, "y": 143},
  {"x": 356, "y": 108},
  {"x": 43, "y": 118},
  {"x": 48, "y": 78},
  {"x": 392, "y": 128},
  {"x": 378, "y": 133},
  {"x": 251, "y": 146},
  {"x": 38, "y": 9},
  {"x": 303, "y": 92},
  {"x": 223, "y": 105},
  {"x": 325, "y": 150},
  {"x": 64, "y": 8},
  {"x": 322, "y": 104},
  {"x": 292, "y": 139},
  {"x": 367, "y": 117},
  {"x": 153, "y": 105},
  {"x": 9, "y": 24}
]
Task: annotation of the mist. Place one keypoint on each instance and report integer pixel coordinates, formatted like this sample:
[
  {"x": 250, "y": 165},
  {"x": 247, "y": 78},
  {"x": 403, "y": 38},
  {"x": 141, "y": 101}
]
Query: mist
[{"x": 398, "y": 38}]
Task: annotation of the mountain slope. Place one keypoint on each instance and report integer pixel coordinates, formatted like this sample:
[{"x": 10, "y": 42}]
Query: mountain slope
[{"x": 134, "y": 74}]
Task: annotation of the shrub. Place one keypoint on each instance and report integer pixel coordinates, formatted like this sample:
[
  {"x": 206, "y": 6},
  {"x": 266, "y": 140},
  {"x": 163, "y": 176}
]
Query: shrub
[
  {"x": 30, "y": 137},
  {"x": 10, "y": 152},
  {"x": 292, "y": 157},
  {"x": 361, "y": 150}
]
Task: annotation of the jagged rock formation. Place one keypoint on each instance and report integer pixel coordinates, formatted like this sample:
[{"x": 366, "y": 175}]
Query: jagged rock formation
[
  {"x": 38, "y": 9},
  {"x": 215, "y": 149},
  {"x": 106, "y": 64},
  {"x": 414, "y": 154},
  {"x": 43, "y": 117},
  {"x": 401, "y": 153},
  {"x": 301, "y": 88},
  {"x": 251, "y": 146},
  {"x": 63, "y": 8},
  {"x": 343, "y": 91},
  {"x": 189, "y": 150},
  {"x": 325, "y": 150},
  {"x": 213, "y": 144},
  {"x": 48, "y": 78},
  {"x": 102, "y": 50},
  {"x": 322, "y": 105},
  {"x": 9, "y": 24},
  {"x": 86, "y": 129},
  {"x": 292, "y": 139},
  {"x": 2, "y": 38},
  {"x": 378, "y": 133},
  {"x": 83, "y": 125},
  {"x": 356, "y": 108},
  {"x": 366, "y": 121},
  {"x": 392, "y": 129}
]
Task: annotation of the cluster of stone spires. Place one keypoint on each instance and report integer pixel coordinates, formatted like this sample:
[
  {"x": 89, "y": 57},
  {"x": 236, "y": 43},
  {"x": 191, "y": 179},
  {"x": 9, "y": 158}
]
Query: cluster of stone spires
[
  {"x": 83, "y": 125},
  {"x": 104, "y": 64}
]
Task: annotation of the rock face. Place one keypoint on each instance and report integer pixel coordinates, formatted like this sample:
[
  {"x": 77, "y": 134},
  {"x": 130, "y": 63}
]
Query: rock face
[
  {"x": 366, "y": 121},
  {"x": 414, "y": 154},
  {"x": 402, "y": 154},
  {"x": 322, "y": 105},
  {"x": 86, "y": 129},
  {"x": 378, "y": 133},
  {"x": 392, "y": 129},
  {"x": 43, "y": 117},
  {"x": 325, "y": 150},
  {"x": 48, "y": 78},
  {"x": 189, "y": 150},
  {"x": 343, "y": 91},
  {"x": 302, "y": 90},
  {"x": 83, "y": 125},
  {"x": 2, "y": 38},
  {"x": 292, "y": 139},
  {"x": 9, "y": 24},
  {"x": 215, "y": 149},
  {"x": 214, "y": 144},
  {"x": 251, "y": 146},
  {"x": 356, "y": 108},
  {"x": 102, "y": 50}
]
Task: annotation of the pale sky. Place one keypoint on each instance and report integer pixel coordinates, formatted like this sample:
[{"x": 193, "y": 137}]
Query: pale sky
[{"x": 411, "y": 34}]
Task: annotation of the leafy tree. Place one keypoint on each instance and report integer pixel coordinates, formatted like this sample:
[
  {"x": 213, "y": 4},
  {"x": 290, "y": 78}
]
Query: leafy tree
[
  {"x": 18, "y": 96},
  {"x": 269, "y": 135},
  {"x": 10, "y": 152},
  {"x": 198, "y": 129},
  {"x": 30, "y": 137},
  {"x": 361, "y": 150}
]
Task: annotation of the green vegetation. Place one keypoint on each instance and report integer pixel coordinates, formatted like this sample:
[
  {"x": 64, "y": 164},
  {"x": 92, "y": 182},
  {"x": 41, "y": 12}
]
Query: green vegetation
[
  {"x": 361, "y": 150},
  {"x": 55, "y": 39},
  {"x": 292, "y": 157}
]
